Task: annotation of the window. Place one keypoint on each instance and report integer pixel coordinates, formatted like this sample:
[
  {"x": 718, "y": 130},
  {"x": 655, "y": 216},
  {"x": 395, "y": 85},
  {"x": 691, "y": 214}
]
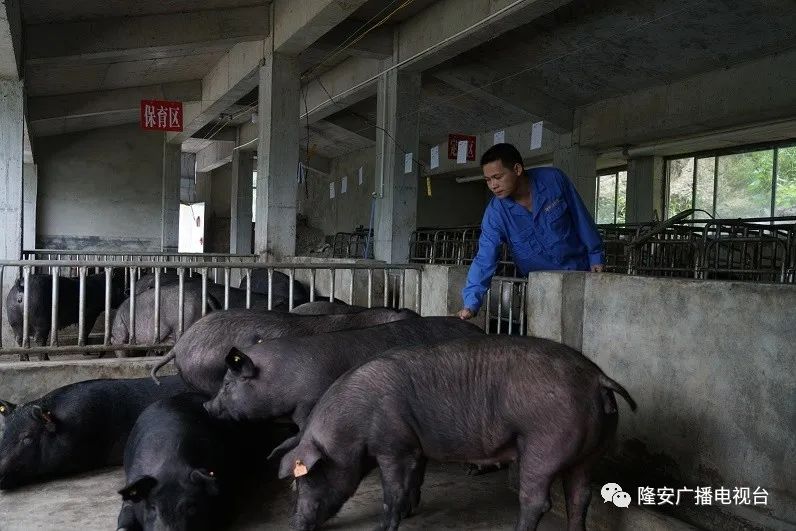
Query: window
[
  {"x": 752, "y": 183},
  {"x": 611, "y": 196}
]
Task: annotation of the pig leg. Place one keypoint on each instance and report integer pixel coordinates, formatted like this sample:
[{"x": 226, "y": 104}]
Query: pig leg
[
  {"x": 127, "y": 520},
  {"x": 415, "y": 483},
  {"x": 40, "y": 340},
  {"x": 537, "y": 470},
  {"x": 398, "y": 477},
  {"x": 577, "y": 492}
]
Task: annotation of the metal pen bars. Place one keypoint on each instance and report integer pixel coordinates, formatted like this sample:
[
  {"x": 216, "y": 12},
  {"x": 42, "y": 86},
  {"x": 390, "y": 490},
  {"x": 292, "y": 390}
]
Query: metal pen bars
[{"x": 393, "y": 279}]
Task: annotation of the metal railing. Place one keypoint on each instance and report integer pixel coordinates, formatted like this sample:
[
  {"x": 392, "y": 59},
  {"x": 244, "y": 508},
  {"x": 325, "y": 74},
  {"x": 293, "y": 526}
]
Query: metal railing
[
  {"x": 353, "y": 245},
  {"x": 364, "y": 284},
  {"x": 505, "y": 306},
  {"x": 453, "y": 246}
]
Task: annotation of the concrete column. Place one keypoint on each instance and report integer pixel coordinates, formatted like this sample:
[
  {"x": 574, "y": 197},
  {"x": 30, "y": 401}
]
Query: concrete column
[
  {"x": 277, "y": 157},
  {"x": 170, "y": 207},
  {"x": 11, "y": 184},
  {"x": 396, "y": 207},
  {"x": 240, "y": 222},
  {"x": 644, "y": 189},
  {"x": 580, "y": 164},
  {"x": 30, "y": 189}
]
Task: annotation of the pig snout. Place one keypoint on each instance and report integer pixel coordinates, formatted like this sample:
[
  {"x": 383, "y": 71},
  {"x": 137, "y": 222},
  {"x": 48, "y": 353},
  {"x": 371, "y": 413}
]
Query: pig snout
[{"x": 215, "y": 408}]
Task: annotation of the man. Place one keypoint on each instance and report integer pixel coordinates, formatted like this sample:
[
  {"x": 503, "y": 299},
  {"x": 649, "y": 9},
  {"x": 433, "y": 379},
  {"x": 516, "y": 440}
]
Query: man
[{"x": 541, "y": 217}]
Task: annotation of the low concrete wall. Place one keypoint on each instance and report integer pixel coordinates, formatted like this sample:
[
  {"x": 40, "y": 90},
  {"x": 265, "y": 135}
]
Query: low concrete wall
[
  {"x": 711, "y": 365},
  {"x": 24, "y": 381}
]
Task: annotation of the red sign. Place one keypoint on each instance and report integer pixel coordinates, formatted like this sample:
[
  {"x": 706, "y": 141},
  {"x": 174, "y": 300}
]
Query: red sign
[
  {"x": 453, "y": 146},
  {"x": 157, "y": 115}
]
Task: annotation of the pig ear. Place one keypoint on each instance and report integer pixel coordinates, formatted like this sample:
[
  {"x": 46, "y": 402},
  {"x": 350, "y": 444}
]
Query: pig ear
[
  {"x": 6, "y": 408},
  {"x": 299, "y": 461},
  {"x": 240, "y": 364},
  {"x": 287, "y": 445},
  {"x": 45, "y": 416},
  {"x": 202, "y": 476},
  {"x": 138, "y": 489}
]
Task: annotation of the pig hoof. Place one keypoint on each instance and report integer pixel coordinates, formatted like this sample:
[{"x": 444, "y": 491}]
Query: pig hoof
[
  {"x": 44, "y": 357},
  {"x": 24, "y": 357}
]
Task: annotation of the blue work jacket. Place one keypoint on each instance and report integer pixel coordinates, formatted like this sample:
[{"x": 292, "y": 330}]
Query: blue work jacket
[{"x": 557, "y": 234}]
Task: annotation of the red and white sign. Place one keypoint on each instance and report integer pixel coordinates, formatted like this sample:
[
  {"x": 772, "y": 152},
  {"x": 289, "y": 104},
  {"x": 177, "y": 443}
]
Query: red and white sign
[
  {"x": 158, "y": 115},
  {"x": 453, "y": 146}
]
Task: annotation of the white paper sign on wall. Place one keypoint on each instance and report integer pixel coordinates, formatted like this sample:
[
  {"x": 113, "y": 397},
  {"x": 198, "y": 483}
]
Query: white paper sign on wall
[
  {"x": 360, "y": 176},
  {"x": 331, "y": 190},
  {"x": 434, "y": 158},
  {"x": 500, "y": 137},
  {"x": 461, "y": 152},
  {"x": 536, "y": 135},
  {"x": 408, "y": 163},
  {"x": 344, "y": 185}
]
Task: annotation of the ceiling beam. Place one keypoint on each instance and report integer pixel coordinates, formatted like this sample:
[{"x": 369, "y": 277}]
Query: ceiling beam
[
  {"x": 526, "y": 101},
  {"x": 376, "y": 44},
  {"x": 297, "y": 25},
  {"x": 142, "y": 37}
]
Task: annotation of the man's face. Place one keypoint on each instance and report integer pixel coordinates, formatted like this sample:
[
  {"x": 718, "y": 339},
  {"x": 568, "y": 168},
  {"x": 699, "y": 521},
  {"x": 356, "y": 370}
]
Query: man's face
[{"x": 502, "y": 181}]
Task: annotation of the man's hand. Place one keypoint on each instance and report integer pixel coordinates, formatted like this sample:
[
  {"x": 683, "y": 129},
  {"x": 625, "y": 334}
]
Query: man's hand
[
  {"x": 465, "y": 313},
  {"x": 597, "y": 268}
]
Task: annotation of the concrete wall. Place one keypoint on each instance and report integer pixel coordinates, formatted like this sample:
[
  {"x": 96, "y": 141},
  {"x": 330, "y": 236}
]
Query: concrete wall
[
  {"x": 21, "y": 382},
  {"x": 711, "y": 366},
  {"x": 29, "y": 192},
  {"x": 100, "y": 189},
  {"x": 217, "y": 210},
  {"x": 451, "y": 203}
]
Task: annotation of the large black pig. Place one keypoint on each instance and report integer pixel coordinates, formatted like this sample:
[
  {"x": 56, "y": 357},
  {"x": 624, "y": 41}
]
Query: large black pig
[
  {"x": 201, "y": 351},
  {"x": 6, "y": 409},
  {"x": 182, "y": 466},
  {"x": 287, "y": 376},
  {"x": 75, "y": 428},
  {"x": 325, "y": 308},
  {"x": 476, "y": 400},
  {"x": 169, "y": 315},
  {"x": 40, "y": 304},
  {"x": 281, "y": 286}
]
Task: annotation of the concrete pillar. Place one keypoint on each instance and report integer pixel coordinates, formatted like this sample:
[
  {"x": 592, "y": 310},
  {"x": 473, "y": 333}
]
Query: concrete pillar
[
  {"x": 396, "y": 206},
  {"x": 580, "y": 164},
  {"x": 277, "y": 157},
  {"x": 240, "y": 222},
  {"x": 11, "y": 185},
  {"x": 555, "y": 306},
  {"x": 30, "y": 189},
  {"x": 644, "y": 189},
  {"x": 170, "y": 207}
]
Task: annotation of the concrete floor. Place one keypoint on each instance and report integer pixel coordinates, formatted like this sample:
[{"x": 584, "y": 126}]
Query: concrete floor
[{"x": 451, "y": 500}]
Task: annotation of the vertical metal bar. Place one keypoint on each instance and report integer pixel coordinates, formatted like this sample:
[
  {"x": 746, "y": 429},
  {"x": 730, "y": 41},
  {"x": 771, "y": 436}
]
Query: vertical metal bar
[
  {"x": 370, "y": 287},
  {"x": 331, "y": 284},
  {"x": 774, "y": 171},
  {"x": 81, "y": 307},
  {"x": 597, "y": 200},
  {"x": 248, "y": 288},
  {"x": 204, "y": 291},
  {"x": 402, "y": 289},
  {"x": 351, "y": 287},
  {"x": 106, "y": 337},
  {"x": 180, "y": 301},
  {"x": 25, "y": 307},
  {"x": 2, "y": 274},
  {"x": 386, "y": 286},
  {"x": 312, "y": 285},
  {"x": 523, "y": 309},
  {"x": 616, "y": 202},
  {"x": 270, "y": 288},
  {"x": 500, "y": 306},
  {"x": 56, "y": 271},
  {"x": 486, "y": 313},
  {"x": 693, "y": 186},
  {"x": 418, "y": 290},
  {"x": 290, "y": 275},
  {"x": 156, "y": 334},
  {"x": 132, "y": 305},
  {"x": 226, "y": 288},
  {"x": 715, "y": 183},
  {"x": 511, "y": 304}
]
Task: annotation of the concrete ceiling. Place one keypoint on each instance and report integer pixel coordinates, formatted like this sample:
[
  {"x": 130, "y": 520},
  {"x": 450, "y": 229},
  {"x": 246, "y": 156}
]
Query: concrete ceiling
[{"x": 40, "y": 11}]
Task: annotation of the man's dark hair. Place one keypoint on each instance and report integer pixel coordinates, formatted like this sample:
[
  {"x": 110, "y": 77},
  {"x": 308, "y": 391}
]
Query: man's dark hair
[{"x": 505, "y": 153}]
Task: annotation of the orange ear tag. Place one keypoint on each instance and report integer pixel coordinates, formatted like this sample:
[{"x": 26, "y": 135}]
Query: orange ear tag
[{"x": 300, "y": 469}]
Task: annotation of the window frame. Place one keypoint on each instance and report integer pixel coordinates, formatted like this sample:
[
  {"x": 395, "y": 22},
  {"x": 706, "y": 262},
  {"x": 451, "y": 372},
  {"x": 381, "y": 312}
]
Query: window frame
[
  {"x": 613, "y": 170},
  {"x": 715, "y": 154}
]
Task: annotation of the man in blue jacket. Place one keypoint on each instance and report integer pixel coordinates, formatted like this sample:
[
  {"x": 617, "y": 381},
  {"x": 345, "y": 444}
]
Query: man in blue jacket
[{"x": 541, "y": 217}]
